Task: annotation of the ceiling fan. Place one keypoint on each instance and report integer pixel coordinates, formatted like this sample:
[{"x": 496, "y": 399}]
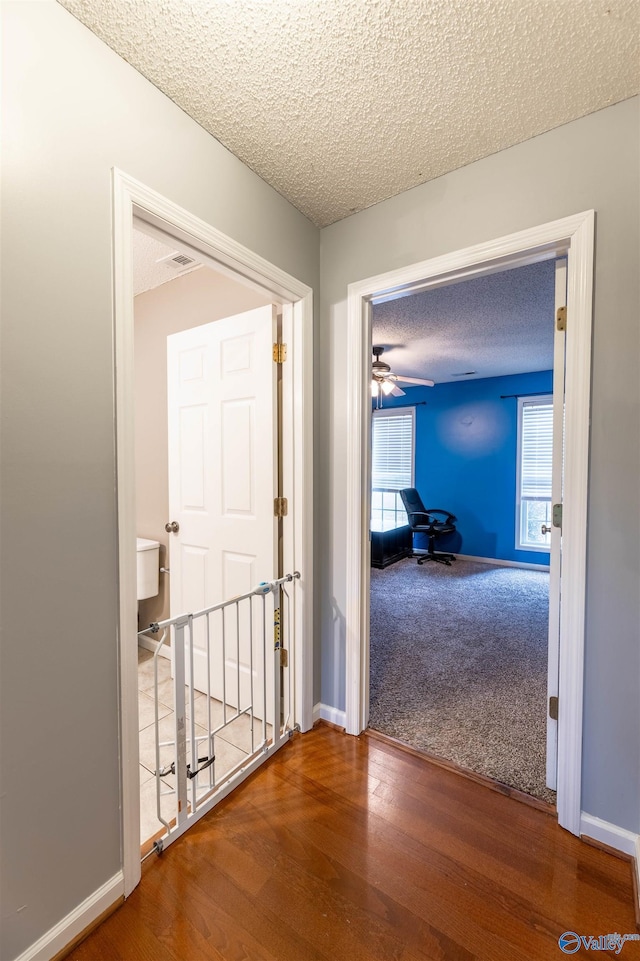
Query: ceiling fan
[{"x": 384, "y": 381}]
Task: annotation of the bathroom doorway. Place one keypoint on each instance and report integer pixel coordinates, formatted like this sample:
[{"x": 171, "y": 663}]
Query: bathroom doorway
[
  {"x": 189, "y": 319},
  {"x": 168, "y": 299},
  {"x": 195, "y": 239}
]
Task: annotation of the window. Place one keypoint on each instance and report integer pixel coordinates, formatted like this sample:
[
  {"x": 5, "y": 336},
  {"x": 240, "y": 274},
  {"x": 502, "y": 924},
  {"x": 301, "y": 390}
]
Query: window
[
  {"x": 392, "y": 459},
  {"x": 535, "y": 458}
]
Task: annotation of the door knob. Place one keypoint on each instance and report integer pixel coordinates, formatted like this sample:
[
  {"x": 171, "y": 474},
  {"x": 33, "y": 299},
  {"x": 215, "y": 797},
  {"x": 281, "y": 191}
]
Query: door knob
[
  {"x": 544, "y": 529},
  {"x": 172, "y": 527}
]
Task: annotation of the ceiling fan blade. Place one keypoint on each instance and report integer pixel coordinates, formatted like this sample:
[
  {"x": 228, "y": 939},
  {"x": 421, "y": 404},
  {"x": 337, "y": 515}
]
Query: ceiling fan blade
[
  {"x": 415, "y": 380},
  {"x": 396, "y": 392}
]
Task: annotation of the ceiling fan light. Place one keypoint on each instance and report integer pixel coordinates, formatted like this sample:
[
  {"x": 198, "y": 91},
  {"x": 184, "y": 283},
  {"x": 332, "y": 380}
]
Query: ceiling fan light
[
  {"x": 387, "y": 387},
  {"x": 374, "y": 388}
]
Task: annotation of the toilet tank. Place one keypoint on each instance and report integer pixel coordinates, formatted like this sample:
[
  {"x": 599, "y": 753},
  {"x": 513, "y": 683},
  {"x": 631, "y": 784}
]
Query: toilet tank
[{"x": 148, "y": 553}]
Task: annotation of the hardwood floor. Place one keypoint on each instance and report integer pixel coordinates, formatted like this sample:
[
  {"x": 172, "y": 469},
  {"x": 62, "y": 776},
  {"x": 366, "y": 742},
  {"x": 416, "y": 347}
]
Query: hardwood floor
[{"x": 346, "y": 848}]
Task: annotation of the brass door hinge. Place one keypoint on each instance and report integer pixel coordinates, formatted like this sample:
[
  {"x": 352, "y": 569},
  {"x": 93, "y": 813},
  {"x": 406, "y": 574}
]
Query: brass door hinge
[
  {"x": 279, "y": 353},
  {"x": 561, "y": 318},
  {"x": 553, "y": 708},
  {"x": 284, "y": 657},
  {"x": 280, "y": 507}
]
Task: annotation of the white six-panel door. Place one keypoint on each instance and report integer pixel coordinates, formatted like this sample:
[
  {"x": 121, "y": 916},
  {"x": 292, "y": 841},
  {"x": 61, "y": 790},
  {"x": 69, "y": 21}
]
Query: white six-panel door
[{"x": 222, "y": 483}]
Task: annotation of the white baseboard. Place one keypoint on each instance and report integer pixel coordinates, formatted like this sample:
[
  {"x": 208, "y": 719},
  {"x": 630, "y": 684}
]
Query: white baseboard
[
  {"x": 323, "y": 712},
  {"x": 149, "y": 645},
  {"x": 619, "y": 838},
  {"x": 74, "y": 924},
  {"x": 499, "y": 563},
  {"x": 610, "y": 834}
]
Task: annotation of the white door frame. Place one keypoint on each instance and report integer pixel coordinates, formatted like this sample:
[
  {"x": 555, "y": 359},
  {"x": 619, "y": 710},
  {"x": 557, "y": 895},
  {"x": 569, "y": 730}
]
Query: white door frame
[
  {"x": 132, "y": 198},
  {"x": 572, "y": 237},
  {"x": 555, "y": 547}
]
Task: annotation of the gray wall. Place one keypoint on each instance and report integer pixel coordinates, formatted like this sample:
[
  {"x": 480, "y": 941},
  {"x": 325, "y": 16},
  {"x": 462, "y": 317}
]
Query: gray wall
[
  {"x": 74, "y": 110},
  {"x": 591, "y": 163}
]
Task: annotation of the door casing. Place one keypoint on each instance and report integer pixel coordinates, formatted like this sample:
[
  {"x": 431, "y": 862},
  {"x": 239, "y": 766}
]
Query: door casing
[
  {"x": 555, "y": 553},
  {"x": 572, "y": 237},
  {"x": 133, "y": 199}
]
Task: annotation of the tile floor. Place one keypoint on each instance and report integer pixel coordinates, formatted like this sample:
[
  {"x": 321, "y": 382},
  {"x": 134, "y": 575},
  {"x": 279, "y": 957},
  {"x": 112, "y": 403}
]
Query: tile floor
[{"x": 231, "y": 746}]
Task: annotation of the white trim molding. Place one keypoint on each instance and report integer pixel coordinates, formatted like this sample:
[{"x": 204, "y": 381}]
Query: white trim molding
[
  {"x": 500, "y": 563},
  {"x": 572, "y": 237},
  {"x": 324, "y": 712},
  {"x": 64, "y": 932},
  {"x": 610, "y": 834},
  {"x": 618, "y": 838},
  {"x": 148, "y": 645},
  {"x": 133, "y": 199}
]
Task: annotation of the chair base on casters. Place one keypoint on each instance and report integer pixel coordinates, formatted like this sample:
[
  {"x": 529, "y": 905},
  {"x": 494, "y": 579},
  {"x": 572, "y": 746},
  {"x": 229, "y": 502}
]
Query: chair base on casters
[
  {"x": 440, "y": 557},
  {"x": 437, "y": 557}
]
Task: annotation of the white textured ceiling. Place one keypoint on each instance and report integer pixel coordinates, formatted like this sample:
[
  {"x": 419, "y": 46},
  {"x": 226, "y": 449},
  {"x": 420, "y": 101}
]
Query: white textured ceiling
[
  {"x": 495, "y": 325},
  {"x": 339, "y": 104},
  {"x": 150, "y": 266},
  {"x": 147, "y": 272}
]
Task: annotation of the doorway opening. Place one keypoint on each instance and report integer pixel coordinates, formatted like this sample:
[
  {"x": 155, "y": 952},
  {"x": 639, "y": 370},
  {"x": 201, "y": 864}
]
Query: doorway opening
[
  {"x": 191, "y": 323},
  {"x": 462, "y": 657},
  {"x": 291, "y": 541},
  {"x": 571, "y": 237}
]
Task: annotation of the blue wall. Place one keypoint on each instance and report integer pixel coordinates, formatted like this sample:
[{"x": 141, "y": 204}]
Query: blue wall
[{"x": 466, "y": 458}]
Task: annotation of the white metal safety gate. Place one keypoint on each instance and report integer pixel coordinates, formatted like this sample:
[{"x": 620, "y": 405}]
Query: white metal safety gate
[{"x": 215, "y": 737}]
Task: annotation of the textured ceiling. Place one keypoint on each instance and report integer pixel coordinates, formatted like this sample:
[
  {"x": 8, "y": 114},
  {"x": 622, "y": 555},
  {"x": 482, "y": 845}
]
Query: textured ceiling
[
  {"x": 495, "y": 325},
  {"x": 147, "y": 272},
  {"x": 339, "y": 104}
]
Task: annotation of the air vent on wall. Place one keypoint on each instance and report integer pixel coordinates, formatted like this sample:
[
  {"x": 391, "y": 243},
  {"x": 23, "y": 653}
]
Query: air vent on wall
[{"x": 177, "y": 261}]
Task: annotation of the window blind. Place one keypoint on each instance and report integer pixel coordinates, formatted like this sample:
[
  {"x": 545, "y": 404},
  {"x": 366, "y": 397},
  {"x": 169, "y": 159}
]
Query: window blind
[
  {"x": 392, "y": 450},
  {"x": 536, "y": 450}
]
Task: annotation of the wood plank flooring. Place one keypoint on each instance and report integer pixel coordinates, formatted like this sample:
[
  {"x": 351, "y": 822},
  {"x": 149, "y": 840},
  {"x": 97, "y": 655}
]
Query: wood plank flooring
[{"x": 347, "y": 848}]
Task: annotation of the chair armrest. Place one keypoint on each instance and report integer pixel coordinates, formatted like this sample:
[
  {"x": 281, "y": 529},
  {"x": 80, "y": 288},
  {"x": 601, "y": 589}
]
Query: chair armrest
[
  {"x": 418, "y": 517},
  {"x": 449, "y": 517}
]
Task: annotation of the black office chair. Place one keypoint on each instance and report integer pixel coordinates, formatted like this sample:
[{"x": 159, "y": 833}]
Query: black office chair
[{"x": 423, "y": 521}]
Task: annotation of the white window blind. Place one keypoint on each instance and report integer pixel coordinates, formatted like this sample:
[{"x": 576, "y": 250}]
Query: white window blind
[
  {"x": 536, "y": 449},
  {"x": 392, "y": 449}
]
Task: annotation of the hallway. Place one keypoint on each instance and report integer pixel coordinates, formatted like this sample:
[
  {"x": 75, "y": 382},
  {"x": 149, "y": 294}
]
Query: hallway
[{"x": 346, "y": 848}]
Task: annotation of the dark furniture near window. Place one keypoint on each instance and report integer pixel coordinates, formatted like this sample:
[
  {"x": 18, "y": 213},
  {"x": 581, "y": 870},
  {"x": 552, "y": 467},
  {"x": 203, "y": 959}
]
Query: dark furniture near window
[{"x": 389, "y": 544}]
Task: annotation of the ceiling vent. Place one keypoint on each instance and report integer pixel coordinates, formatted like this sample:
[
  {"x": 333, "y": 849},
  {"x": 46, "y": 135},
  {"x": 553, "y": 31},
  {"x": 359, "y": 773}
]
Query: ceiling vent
[{"x": 177, "y": 261}]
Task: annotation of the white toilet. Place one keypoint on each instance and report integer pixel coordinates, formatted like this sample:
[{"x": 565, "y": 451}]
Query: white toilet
[{"x": 148, "y": 557}]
